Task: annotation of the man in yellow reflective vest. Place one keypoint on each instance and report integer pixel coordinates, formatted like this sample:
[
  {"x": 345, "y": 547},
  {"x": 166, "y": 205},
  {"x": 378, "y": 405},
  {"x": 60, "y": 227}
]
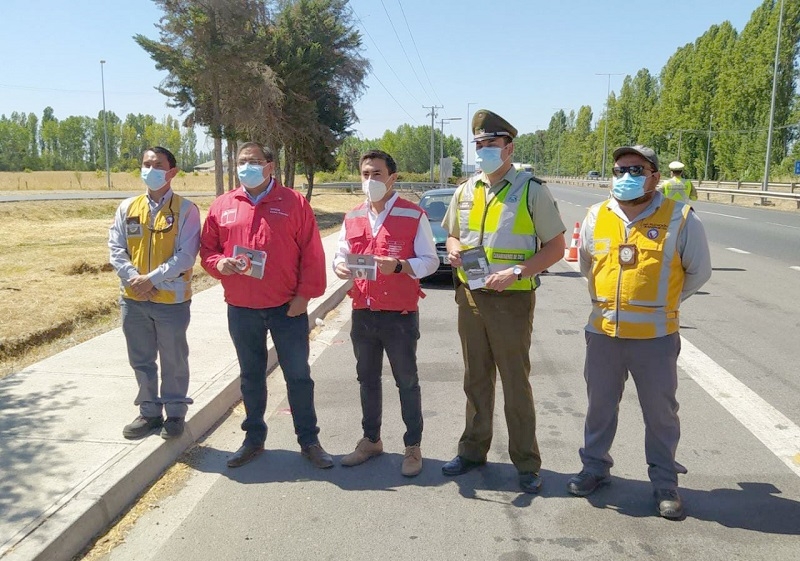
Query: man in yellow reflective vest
[
  {"x": 676, "y": 187},
  {"x": 643, "y": 254},
  {"x": 154, "y": 243},
  {"x": 498, "y": 215}
]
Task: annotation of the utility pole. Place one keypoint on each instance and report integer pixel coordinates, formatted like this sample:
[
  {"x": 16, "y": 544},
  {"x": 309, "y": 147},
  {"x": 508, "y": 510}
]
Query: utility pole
[
  {"x": 765, "y": 184},
  {"x": 605, "y": 121},
  {"x": 441, "y": 147},
  {"x": 105, "y": 123},
  {"x": 708, "y": 147},
  {"x": 466, "y": 139},
  {"x": 432, "y": 114}
]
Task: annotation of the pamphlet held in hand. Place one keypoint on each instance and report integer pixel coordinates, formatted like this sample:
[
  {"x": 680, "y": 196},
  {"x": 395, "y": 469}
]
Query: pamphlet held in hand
[
  {"x": 362, "y": 266},
  {"x": 476, "y": 266}
]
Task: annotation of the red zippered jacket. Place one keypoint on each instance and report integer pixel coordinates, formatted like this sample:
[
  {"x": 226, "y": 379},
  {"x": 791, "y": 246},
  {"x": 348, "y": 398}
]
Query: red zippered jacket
[{"x": 283, "y": 225}]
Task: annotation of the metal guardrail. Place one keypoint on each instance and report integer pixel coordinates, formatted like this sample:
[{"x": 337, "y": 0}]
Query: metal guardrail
[
  {"x": 783, "y": 191},
  {"x": 352, "y": 186}
]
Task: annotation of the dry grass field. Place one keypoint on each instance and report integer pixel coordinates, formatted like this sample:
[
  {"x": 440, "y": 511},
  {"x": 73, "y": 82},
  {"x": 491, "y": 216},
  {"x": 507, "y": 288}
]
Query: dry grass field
[
  {"x": 94, "y": 181},
  {"x": 56, "y": 287}
]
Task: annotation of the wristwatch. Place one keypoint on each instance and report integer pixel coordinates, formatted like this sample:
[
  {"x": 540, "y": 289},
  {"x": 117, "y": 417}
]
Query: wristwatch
[
  {"x": 398, "y": 267},
  {"x": 518, "y": 271}
]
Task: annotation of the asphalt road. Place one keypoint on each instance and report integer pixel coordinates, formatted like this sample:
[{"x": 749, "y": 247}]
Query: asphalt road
[{"x": 743, "y": 501}]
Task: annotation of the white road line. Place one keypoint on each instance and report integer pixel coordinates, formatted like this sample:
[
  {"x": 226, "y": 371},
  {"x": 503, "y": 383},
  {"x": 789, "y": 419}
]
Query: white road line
[
  {"x": 784, "y": 225},
  {"x": 735, "y": 250},
  {"x": 795, "y": 268},
  {"x": 720, "y": 214},
  {"x": 779, "y": 434}
]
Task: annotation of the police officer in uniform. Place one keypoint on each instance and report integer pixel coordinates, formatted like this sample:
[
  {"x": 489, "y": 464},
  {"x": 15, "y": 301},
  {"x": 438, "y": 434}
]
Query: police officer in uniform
[
  {"x": 505, "y": 211},
  {"x": 676, "y": 187},
  {"x": 643, "y": 254}
]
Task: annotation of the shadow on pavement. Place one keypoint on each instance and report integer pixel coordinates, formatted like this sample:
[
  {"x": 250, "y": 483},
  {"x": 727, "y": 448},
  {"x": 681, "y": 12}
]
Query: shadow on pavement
[
  {"x": 493, "y": 482},
  {"x": 27, "y": 424},
  {"x": 755, "y": 506}
]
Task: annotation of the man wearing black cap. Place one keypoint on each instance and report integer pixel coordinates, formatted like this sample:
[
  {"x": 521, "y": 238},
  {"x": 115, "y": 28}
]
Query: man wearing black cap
[
  {"x": 643, "y": 254},
  {"x": 504, "y": 211}
]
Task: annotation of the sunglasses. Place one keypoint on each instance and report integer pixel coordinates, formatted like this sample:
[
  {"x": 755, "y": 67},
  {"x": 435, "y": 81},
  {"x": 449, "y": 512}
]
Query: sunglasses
[{"x": 635, "y": 171}]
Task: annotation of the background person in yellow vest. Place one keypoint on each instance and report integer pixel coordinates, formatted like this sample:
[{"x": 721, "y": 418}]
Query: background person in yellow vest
[
  {"x": 676, "y": 187},
  {"x": 154, "y": 242},
  {"x": 505, "y": 211},
  {"x": 385, "y": 312},
  {"x": 643, "y": 254}
]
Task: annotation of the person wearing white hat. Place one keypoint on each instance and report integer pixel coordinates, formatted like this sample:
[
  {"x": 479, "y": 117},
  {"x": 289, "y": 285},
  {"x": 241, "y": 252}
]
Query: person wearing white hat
[{"x": 676, "y": 187}]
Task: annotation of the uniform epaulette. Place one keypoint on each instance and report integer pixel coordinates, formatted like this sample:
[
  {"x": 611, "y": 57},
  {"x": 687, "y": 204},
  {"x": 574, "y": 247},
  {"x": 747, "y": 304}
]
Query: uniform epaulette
[{"x": 539, "y": 181}]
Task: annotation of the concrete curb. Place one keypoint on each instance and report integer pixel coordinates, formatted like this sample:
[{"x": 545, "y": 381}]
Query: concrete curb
[{"x": 79, "y": 517}]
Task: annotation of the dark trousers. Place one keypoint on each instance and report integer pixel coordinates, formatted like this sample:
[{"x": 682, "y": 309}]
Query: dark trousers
[
  {"x": 248, "y": 329},
  {"x": 396, "y": 333},
  {"x": 653, "y": 365},
  {"x": 495, "y": 330}
]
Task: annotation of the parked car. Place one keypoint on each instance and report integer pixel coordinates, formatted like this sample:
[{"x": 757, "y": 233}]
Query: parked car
[
  {"x": 435, "y": 203},
  {"x": 593, "y": 175}
]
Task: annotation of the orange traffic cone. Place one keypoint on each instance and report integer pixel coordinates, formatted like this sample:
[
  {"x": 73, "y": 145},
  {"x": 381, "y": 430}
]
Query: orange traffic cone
[{"x": 572, "y": 255}]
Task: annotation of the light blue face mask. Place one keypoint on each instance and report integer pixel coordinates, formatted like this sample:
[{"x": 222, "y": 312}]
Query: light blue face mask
[
  {"x": 489, "y": 159},
  {"x": 627, "y": 188},
  {"x": 250, "y": 175},
  {"x": 154, "y": 178}
]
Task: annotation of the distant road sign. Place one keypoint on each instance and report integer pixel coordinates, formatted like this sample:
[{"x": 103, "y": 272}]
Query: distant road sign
[{"x": 797, "y": 167}]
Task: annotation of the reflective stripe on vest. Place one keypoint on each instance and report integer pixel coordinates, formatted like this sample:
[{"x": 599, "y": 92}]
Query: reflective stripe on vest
[
  {"x": 503, "y": 225},
  {"x": 156, "y": 243},
  {"x": 395, "y": 238},
  {"x": 677, "y": 189},
  {"x": 640, "y": 300}
]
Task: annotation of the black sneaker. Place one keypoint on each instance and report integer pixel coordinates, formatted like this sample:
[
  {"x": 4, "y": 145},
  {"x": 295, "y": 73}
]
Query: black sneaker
[
  {"x": 586, "y": 483},
  {"x": 173, "y": 428},
  {"x": 669, "y": 503},
  {"x": 141, "y": 427}
]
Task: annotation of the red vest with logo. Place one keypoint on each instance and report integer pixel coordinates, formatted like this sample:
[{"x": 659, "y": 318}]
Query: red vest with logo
[{"x": 397, "y": 292}]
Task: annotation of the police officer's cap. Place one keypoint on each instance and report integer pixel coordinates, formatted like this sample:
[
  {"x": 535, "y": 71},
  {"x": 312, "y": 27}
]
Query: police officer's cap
[
  {"x": 486, "y": 124},
  {"x": 676, "y": 166},
  {"x": 643, "y": 151}
]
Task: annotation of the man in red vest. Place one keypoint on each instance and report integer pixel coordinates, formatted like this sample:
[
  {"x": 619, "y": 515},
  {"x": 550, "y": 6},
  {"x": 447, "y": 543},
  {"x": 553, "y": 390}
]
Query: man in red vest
[{"x": 386, "y": 246}]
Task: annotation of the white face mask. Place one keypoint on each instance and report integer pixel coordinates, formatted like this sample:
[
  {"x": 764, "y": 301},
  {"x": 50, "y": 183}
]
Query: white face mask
[{"x": 374, "y": 190}]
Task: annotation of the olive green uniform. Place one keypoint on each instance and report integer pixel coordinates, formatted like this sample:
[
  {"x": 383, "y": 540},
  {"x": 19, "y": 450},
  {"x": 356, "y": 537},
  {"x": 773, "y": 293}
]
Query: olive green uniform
[{"x": 495, "y": 330}]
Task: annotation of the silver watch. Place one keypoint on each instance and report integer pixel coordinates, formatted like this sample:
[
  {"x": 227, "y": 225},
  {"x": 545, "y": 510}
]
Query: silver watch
[{"x": 518, "y": 271}]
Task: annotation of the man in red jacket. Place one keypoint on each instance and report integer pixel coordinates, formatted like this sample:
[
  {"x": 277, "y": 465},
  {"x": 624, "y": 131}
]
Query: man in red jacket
[
  {"x": 262, "y": 242},
  {"x": 386, "y": 246}
]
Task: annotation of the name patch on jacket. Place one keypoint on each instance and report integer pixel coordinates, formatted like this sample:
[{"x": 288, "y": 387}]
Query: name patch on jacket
[
  {"x": 132, "y": 226},
  {"x": 395, "y": 247},
  {"x": 227, "y": 217}
]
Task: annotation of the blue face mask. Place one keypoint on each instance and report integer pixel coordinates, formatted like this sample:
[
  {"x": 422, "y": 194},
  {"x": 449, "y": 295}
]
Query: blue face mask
[
  {"x": 489, "y": 158},
  {"x": 250, "y": 175},
  {"x": 627, "y": 188},
  {"x": 154, "y": 178}
]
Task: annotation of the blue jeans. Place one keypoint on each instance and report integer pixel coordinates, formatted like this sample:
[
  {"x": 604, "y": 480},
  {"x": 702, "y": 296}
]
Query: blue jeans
[
  {"x": 248, "y": 328},
  {"x": 154, "y": 330},
  {"x": 372, "y": 332}
]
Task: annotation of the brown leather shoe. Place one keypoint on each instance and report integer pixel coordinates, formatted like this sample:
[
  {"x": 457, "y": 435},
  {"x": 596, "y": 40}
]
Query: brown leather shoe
[
  {"x": 412, "y": 462},
  {"x": 245, "y": 454},
  {"x": 317, "y": 456},
  {"x": 365, "y": 449}
]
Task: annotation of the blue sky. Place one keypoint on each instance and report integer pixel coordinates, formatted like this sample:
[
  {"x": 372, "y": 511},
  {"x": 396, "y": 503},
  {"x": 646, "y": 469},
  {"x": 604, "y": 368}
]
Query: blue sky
[{"x": 523, "y": 59}]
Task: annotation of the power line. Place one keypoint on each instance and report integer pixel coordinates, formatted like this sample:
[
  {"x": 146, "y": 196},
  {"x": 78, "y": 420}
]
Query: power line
[
  {"x": 417, "y": 50},
  {"x": 364, "y": 28},
  {"x": 404, "y": 49}
]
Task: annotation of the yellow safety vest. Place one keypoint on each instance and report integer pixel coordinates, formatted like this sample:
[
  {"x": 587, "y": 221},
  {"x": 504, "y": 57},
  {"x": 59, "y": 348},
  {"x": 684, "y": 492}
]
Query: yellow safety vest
[
  {"x": 503, "y": 225},
  {"x": 678, "y": 189},
  {"x": 639, "y": 300},
  {"x": 152, "y": 241}
]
